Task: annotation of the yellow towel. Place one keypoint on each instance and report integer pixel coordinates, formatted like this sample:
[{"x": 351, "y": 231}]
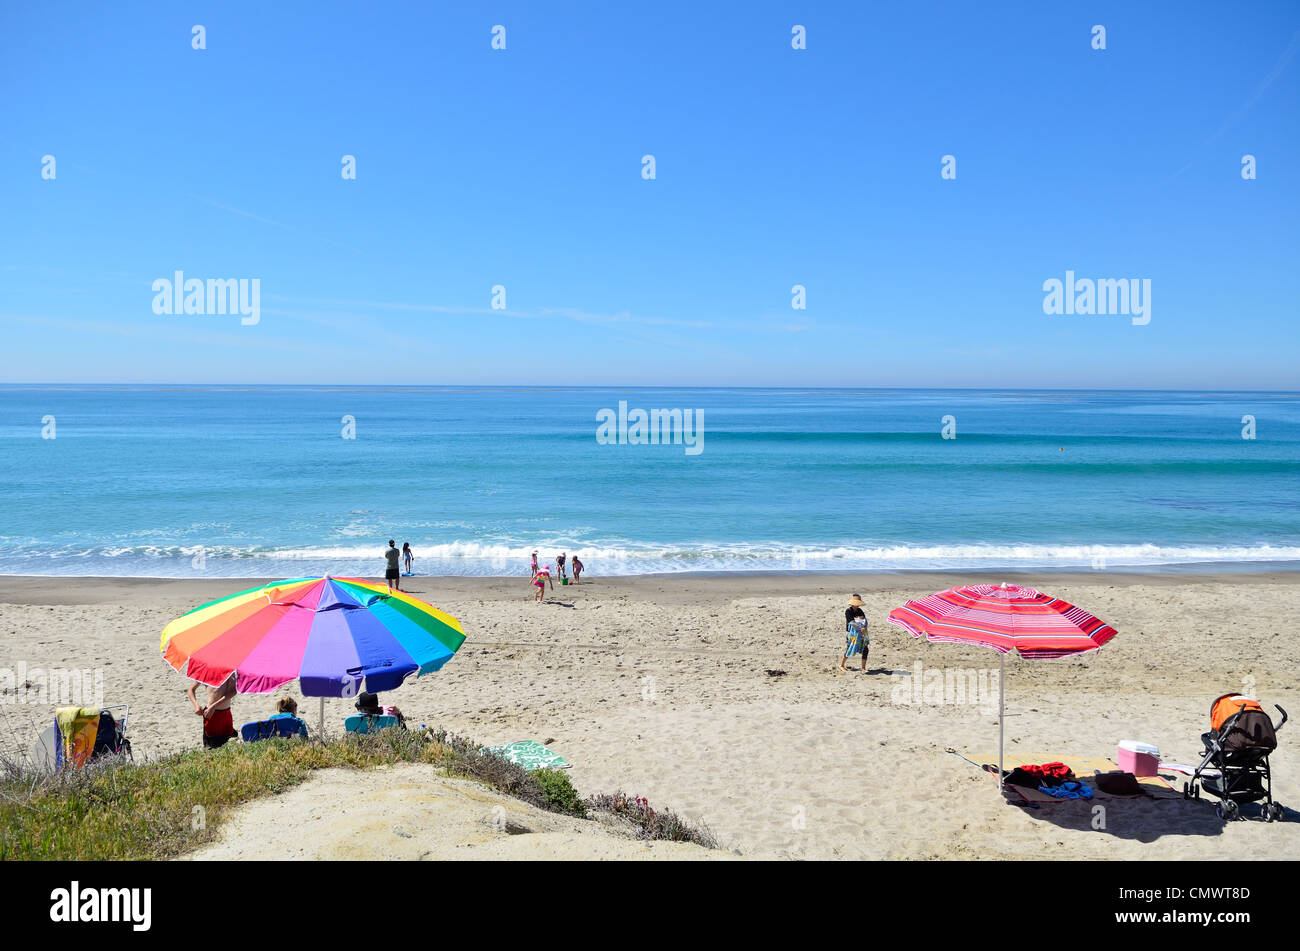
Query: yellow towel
[{"x": 78, "y": 727}]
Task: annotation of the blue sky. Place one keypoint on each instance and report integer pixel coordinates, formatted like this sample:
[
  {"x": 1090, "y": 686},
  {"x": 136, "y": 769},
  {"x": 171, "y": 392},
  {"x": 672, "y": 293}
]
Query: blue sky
[{"x": 775, "y": 167}]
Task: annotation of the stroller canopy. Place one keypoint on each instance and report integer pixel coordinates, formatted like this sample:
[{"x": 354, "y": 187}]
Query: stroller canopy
[{"x": 1242, "y": 724}]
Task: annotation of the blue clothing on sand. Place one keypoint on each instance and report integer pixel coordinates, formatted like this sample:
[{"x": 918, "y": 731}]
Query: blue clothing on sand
[{"x": 1068, "y": 790}]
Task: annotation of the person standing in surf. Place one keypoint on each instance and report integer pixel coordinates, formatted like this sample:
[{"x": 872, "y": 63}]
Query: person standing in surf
[
  {"x": 393, "y": 573},
  {"x": 407, "y": 555}
]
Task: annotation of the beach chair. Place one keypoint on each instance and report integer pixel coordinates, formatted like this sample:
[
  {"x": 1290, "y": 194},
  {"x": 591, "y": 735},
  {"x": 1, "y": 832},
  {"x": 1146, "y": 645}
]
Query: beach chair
[
  {"x": 111, "y": 739},
  {"x": 368, "y": 723},
  {"x": 275, "y": 726}
]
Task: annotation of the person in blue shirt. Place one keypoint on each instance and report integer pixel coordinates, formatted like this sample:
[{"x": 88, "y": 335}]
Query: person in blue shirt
[{"x": 286, "y": 708}]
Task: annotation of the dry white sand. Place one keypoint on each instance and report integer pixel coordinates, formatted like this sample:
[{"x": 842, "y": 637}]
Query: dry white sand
[
  {"x": 657, "y": 686},
  {"x": 409, "y": 812}
]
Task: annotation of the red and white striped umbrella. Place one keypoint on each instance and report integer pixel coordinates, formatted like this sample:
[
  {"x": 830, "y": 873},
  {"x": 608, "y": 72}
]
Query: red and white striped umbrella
[{"x": 1005, "y": 617}]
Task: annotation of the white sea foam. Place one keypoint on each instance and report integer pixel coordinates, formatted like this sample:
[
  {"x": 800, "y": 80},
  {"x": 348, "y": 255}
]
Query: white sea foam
[{"x": 621, "y": 558}]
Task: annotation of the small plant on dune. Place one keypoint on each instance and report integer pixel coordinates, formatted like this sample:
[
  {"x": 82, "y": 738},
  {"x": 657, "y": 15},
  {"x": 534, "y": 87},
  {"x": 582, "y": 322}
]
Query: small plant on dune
[
  {"x": 662, "y": 825},
  {"x": 559, "y": 792}
]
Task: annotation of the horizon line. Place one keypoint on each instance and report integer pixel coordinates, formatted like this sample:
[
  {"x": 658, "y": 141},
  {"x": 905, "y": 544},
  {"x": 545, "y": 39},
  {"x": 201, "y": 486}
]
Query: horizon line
[{"x": 660, "y": 386}]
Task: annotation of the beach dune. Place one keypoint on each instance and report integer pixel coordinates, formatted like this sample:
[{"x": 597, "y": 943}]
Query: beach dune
[{"x": 718, "y": 697}]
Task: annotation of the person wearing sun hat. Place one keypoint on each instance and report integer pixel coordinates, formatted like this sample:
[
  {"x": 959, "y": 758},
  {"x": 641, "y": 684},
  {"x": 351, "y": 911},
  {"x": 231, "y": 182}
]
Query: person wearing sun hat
[
  {"x": 856, "y": 640},
  {"x": 368, "y": 705},
  {"x": 541, "y": 578}
]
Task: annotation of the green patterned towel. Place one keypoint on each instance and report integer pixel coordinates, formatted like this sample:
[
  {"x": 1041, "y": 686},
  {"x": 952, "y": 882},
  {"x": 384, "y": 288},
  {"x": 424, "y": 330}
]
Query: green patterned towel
[{"x": 530, "y": 755}]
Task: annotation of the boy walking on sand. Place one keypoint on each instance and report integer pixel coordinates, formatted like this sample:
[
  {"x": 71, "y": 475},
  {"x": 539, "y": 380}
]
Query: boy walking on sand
[
  {"x": 218, "y": 721},
  {"x": 393, "y": 573},
  {"x": 856, "y": 639}
]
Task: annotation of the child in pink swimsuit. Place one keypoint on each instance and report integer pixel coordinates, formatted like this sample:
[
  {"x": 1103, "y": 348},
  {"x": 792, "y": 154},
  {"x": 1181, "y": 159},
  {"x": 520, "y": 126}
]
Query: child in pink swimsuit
[{"x": 542, "y": 577}]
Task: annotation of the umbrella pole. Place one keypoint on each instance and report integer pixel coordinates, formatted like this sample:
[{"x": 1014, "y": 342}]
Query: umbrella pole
[
  {"x": 1002, "y": 719},
  {"x": 320, "y": 732}
]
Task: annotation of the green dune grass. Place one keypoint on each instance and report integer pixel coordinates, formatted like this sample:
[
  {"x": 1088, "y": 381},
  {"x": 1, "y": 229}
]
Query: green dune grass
[{"x": 166, "y": 808}]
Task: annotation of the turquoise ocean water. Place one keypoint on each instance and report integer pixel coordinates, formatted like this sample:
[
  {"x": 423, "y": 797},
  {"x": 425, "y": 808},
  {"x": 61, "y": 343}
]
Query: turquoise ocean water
[{"x": 260, "y": 481}]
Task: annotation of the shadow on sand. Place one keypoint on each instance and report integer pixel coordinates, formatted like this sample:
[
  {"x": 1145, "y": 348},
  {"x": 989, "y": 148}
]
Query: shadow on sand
[{"x": 1140, "y": 819}]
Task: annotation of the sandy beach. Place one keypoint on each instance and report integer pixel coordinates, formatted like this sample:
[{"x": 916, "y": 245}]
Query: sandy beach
[{"x": 659, "y": 686}]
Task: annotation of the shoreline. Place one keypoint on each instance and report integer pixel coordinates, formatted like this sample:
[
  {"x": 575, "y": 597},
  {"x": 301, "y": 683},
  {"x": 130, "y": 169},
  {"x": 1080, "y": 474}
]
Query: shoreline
[
  {"x": 1189, "y": 569},
  {"x": 667, "y": 587}
]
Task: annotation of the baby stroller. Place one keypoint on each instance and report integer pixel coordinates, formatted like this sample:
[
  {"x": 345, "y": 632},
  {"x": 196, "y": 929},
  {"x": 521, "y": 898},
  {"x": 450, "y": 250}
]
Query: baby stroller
[{"x": 1240, "y": 740}]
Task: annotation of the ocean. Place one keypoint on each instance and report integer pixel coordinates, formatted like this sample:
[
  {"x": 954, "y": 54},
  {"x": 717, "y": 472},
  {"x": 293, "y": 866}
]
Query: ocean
[{"x": 203, "y": 481}]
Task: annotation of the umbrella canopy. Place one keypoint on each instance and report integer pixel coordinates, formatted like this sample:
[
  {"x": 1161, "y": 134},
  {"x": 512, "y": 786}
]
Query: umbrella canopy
[
  {"x": 330, "y": 634},
  {"x": 1005, "y": 617}
]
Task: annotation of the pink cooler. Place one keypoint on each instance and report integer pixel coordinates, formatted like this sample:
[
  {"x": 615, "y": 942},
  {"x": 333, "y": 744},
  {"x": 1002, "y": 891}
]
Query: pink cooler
[{"x": 1140, "y": 759}]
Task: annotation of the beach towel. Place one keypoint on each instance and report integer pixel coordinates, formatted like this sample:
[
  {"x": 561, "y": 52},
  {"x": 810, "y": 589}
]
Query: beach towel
[
  {"x": 78, "y": 727},
  {"x": 855, "y": 639},
  {"x": 530, "y": 755},
  {"x": 1153, "y": 787}
]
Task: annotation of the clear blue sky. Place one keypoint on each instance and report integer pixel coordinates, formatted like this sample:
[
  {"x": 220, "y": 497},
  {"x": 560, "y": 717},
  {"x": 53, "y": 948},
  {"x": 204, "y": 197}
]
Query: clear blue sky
[{"x": 775, "y": 167}]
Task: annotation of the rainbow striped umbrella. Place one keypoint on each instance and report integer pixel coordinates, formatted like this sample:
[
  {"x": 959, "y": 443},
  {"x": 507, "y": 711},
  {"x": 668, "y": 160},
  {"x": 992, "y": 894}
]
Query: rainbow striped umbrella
[
  {"x": 332, "y": 635},
  {"x": 1005, "y": 617}
]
